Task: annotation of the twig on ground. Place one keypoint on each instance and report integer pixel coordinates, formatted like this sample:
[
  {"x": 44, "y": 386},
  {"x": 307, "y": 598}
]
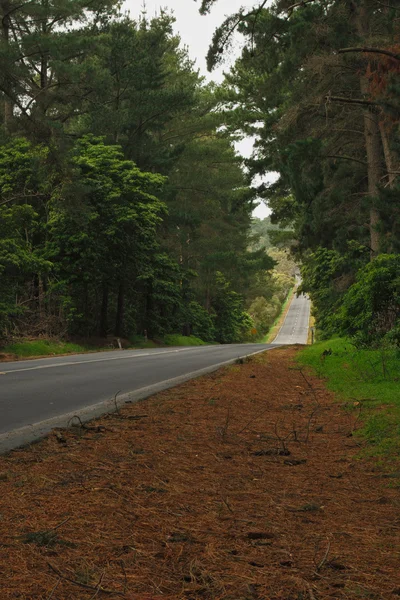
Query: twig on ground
[
  {"x": 309, "y": 590},
  {"x": 224, "y": 430},
  {"x": 98, "y": 587},
  {"x": 323, "y": 561},
  {"x": 310, "y": 418},
  {"x": 227, "y": 505},
  {"x": 61, "y": 524},
  {"x": 53, "y": 590},
  {"x": 84, "y": 585},
  {"x": 280, "y": 439},
  {"x": 314, "y": 393},
  {"x": 121, "y": 562}
]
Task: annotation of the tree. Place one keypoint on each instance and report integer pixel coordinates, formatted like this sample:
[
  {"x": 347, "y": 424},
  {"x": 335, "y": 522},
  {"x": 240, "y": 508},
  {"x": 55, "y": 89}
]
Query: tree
[
  {"x": 315, "y": 84},
  {"x": 103, "y": 246},
  {"x": 48, "y": 62}
]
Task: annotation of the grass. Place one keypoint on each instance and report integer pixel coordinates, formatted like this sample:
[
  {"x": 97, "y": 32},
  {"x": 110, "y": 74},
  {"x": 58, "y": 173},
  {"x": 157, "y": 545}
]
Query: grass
[
  {"x": 38, "y": 348},
  {"x": 138, "y": 341},
  {"x": 274, "y": 330},
  {"x": 183, "y": 340},
  {"x": 28, "y": 349},
  {"x": 368, "y": 381}
]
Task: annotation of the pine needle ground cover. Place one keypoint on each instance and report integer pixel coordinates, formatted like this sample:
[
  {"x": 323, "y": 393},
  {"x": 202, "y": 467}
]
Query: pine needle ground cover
[{"x": 242, "y": 485}]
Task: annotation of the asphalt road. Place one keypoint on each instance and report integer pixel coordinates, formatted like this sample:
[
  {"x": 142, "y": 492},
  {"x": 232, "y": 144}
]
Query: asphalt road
[
  {"x": 37, "y": 395},
  {"x": 295, "y": 327}
]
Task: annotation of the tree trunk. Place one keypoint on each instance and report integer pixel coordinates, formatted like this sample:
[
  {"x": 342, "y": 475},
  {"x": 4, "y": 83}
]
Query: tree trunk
[
  {"x": 390, "y": 159},
  {"x": 372, "y": 136},
  {"x": 120, "y": 310},
  {"x": 103, "y": 329},
  {"x": 5, "y": 34},
  {"x": 373, "y": 147}
]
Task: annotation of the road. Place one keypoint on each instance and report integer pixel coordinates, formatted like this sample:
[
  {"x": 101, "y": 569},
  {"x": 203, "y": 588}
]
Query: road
[
  {"x": 38, "y": 395},
  {"x": 295, "y": 327}
]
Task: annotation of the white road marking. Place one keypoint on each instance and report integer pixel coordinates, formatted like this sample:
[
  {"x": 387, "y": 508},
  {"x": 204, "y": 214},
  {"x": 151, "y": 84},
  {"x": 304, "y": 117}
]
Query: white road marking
[{"x": 95, "y": 360}]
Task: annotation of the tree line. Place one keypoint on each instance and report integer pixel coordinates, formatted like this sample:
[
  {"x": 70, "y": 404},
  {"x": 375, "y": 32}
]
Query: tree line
[
  {"x": 124, "y": 208},
  {"x": 318, "y": 84}
]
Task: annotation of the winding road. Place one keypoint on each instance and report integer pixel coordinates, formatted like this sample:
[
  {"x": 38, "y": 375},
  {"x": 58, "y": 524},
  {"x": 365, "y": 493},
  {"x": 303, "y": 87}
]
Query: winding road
[{"x": 38, "y": 395}]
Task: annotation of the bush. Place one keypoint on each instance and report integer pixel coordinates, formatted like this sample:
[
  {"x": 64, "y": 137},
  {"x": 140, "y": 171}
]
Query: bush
[
  {"x": 370, "y": 311},
  {"x": 182, "y": 340},
  {"x": 201, "y": 322}
]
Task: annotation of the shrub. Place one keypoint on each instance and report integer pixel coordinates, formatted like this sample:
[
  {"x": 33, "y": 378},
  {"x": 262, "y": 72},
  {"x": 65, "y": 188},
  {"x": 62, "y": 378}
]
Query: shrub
[{"x": 370, "y": 311}]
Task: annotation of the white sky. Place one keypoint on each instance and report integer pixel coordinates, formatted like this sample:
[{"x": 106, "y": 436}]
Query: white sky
[{"x": 196, "y": 32}]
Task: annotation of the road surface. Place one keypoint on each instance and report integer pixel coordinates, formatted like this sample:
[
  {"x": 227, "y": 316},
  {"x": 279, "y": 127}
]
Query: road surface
[
  {"x": 38, "y": 395},
  {"x": 295, "y": 327}
]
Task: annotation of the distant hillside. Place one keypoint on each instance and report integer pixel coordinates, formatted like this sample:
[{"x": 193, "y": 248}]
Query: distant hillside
[{"x": 264, "y": 234}]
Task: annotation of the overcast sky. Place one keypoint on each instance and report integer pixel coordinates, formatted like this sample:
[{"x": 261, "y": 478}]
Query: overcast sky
[{"x": 196, "y": 32}]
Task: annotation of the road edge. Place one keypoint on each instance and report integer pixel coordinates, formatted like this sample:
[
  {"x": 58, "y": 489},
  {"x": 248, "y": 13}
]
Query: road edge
[{"x": 29, "y": 434}]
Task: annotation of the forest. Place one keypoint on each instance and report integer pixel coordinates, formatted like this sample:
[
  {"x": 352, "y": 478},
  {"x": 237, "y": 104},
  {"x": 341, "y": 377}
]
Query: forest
[
  {"x": 125, "y": 210},
  {"x": 317, "y": 84}
]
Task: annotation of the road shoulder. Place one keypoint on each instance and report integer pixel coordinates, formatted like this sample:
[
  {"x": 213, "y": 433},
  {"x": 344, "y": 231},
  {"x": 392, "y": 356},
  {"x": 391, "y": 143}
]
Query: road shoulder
[{"x": 240, "y": 484}]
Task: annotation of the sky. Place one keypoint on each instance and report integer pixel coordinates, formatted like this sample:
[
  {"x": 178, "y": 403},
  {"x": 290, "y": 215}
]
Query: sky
[{"x": 196, "y": 32}]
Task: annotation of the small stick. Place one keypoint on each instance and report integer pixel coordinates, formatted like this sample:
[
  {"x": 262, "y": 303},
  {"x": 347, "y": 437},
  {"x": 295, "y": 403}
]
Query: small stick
[
  {"x": 84, "y": 585},
  {"x": 310, "y": 386},
  {"x": 309, "y": 590},
  {"x": 323, "y": 561},
  {"x": 53, "y": 590},
  {"x": 61, "y": 524},
  {"x": 98, "y": 586},
  {"x": 125, "y": 575}
]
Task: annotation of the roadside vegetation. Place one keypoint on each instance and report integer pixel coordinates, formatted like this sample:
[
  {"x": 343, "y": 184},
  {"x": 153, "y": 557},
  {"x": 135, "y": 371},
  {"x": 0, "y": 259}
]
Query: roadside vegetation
[
  {"x": 367, "y": 382},
  {"x": 124, "y": 208},
  {"x": 28, "y": 349},
  {"x": 37, "y": 348},
  {"x": 318, "y": 85}
]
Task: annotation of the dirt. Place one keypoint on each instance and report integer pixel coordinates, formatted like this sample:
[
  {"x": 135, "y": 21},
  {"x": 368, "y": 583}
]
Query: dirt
[{"x": 246, "y": 484}]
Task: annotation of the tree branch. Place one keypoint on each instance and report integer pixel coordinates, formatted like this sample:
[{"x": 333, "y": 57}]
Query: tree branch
[
  {"x": 343, "y": 157},
  {"x": 351, "y": 101},
  {"x": 370, "y": 50}
]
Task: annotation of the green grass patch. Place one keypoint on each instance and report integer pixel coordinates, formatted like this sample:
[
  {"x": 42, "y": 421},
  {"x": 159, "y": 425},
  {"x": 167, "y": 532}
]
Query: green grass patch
[
  {"x": 183, "y": 340},
  {"x": 138, "y": 341},
  {"x": 369, "y": 380},
  {"x": 27, "y": 349}
]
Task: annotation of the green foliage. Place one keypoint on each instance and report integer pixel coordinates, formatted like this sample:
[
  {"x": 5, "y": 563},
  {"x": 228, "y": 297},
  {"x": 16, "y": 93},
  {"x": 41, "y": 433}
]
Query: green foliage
[
  {"x": 370, "y": 310},
  {"x": 232, "y": 323},
  {"x": 123, "y": 202},
  {"x": 27, "y": 349},
  {"x": 327, "y": 274},
  {"x": 113, "y": 233},
  {"x": 183, "y": 340},
  {"x": 200, "y": 320},
  {"x": 313, "y": 110}
]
